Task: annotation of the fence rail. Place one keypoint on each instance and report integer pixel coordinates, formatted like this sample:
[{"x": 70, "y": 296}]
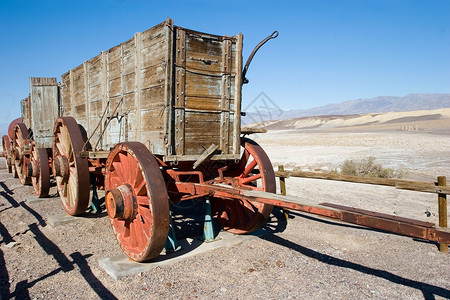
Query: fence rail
[
  {"x": 439, "y": 187},
  {"x": 427, "y": 187}
]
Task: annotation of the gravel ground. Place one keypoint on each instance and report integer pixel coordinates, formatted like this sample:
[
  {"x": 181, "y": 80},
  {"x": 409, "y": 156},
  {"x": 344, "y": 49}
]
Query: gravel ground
[{"x": 307, "y": 257}]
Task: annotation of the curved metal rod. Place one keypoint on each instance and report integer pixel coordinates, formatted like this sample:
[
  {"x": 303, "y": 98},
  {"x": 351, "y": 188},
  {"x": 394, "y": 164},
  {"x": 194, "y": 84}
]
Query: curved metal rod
[{"x": 250, "y": 58}]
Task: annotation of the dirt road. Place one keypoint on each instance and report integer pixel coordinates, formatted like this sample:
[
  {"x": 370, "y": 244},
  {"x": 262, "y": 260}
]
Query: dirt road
[{"x": 306, "y": 258}]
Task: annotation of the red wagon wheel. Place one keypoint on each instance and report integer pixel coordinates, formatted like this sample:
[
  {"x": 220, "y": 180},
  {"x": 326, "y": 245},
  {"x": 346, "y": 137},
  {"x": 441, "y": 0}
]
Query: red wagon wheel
[
  {"x": 137, "y": 201},
  {"x": 7, "y": 152},
  {"x": 40, "y": 171},
  {"x": 71, "y": 171},
  {"x": 22, "y": 149},
  {"x": 254, "y": 171}
]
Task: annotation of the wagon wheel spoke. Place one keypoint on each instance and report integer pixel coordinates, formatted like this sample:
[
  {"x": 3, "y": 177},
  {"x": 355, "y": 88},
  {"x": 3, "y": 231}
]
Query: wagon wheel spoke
[
  {"x": 137, "y": 205},
  {"x": 254, "y": 171}
]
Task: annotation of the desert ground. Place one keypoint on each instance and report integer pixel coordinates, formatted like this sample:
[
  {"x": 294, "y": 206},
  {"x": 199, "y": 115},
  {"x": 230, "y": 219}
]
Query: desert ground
[{"x": 307, "y": 257}]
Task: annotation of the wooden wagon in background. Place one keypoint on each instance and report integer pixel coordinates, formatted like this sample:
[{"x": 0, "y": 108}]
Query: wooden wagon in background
[{"x": 29, "y": 141}]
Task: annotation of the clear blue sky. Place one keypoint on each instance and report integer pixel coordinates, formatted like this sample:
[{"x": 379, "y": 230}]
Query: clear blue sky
[{"x": 327, "y": 51}]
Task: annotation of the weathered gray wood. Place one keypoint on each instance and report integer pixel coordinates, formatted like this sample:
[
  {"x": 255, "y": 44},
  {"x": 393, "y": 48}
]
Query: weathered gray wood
[
  {"x": 427, "y": 187},
  {"x": 43, "y": 109},
  {"x": 177, "y": 91}
]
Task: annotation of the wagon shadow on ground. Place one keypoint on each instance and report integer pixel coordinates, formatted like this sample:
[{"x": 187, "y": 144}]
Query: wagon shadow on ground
[
  {"x": 65, "y": 265},
  {"x": 278, "y": 223},
  {"x": 188, "y": 222},
  {"x": 21, "y": 290},
  {"x": 293, "y": 214}
]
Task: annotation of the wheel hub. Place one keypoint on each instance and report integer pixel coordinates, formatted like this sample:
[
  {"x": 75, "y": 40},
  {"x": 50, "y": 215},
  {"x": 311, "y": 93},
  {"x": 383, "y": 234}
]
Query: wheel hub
[
  {"x": 61, "y": 165},
  {"x": 121, "y": 203}
]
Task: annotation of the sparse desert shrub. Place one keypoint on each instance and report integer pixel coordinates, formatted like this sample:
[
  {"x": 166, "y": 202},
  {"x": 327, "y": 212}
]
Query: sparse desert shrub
[{"x": 367, "y": 168}]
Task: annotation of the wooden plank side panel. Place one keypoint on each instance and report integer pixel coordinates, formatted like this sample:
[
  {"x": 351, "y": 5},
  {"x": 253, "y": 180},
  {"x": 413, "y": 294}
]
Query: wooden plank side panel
[
  {"x": 66, "y": 95},
  {"x": 204, "y": 86},
  {"x": 95, "y": 97},
  {"x": 151, "y": 84},
  {"x": 201, "y": 131},
  {"x": 153, "y": 135},
  {"x": 26, "y": 111},
  {"x": 78, "y": 93},
  {"x": 210, "y": 95},
  {"x": 204, "y": 53},
  {"x": 44, "y": 110}
]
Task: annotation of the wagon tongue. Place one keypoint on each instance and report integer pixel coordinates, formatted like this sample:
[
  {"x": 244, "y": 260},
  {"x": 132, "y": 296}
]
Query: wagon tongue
[{"x": 395, "y": 224}]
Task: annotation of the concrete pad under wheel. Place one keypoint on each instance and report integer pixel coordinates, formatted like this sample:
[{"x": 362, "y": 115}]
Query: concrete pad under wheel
[
  {"x": 16, "y": 186},
  {"x": 121, "y": 266},
  {"x": 34, "y": 199},
  {"x": 56, "y": 220}
]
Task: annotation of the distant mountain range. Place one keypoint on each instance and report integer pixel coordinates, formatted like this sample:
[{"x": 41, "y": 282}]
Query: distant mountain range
[{"x": 379, "y": 104}]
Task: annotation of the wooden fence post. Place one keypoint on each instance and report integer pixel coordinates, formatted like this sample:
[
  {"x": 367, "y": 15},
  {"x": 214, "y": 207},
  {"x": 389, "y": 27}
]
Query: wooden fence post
[
  {"x": 442, "y": 202},
  {"x": 283, "y": 190}
]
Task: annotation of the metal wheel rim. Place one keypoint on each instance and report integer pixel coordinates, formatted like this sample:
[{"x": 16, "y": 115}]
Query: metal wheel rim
[
  {"x": 68, "y": 141},
  {"x": 143, "y": 237},
  {"x": 239, "y": 216},
  {"x": 12, "y": 127},
  {"x": 41, "y": 183}
]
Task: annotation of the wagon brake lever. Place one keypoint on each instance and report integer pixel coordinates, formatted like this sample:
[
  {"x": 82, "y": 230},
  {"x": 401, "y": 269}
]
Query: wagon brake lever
[{"x": 250, "y": 58}]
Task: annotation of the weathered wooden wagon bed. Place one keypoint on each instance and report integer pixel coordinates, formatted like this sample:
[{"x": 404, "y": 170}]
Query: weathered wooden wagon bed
[{"x": 175, "y": 90}]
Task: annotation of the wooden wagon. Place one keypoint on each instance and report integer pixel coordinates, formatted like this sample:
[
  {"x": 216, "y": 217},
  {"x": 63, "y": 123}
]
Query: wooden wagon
[
  {"x": 29, "y": 139},
  {"x": 160, "y": 109},
  {"x": 157, "y": 119}
]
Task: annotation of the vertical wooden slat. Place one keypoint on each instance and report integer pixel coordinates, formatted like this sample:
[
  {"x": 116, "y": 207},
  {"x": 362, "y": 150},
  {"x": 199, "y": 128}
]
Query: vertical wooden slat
[
  {"x": 86, "y": 95},
  {"x": 72, "y": 93},
  {"x": 283, "y": 191},
  {"x": 108, "y": 104},
  {"x": 238, "y": 95},
  {"x": 442, "y": 203},
  {"x": 169, "y": 31},
  {"x": 225, "y": 97},
  {"x": 104, "y": 81},
  {"x": 180, "y": 91},
  {"x": 138, "y": 84}
]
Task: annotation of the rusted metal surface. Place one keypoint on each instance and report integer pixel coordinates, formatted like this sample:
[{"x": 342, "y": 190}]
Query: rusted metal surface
[
  {"x": 12, "y": 127},
  {"x": 137, "y": 201},
  {"x": 242, "y": 216},
  {"x": 43, "y": 110},
  {"x": 379, "y": 215},
  {"x": 250, "y": 58},
  {"x": 177, "y": 91},
  {"x": 401, "y": 226},
  {"x": 40, "y": 175},
  {"x": 71, "y": 171},
  {"x": 22, "y": 150}
]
